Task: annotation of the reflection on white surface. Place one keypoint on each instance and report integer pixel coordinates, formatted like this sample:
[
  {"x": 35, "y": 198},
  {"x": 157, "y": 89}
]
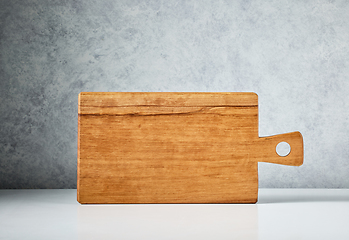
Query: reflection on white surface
[
  {"x": 168, "y": 221},
  {"x": 279, "y": 214},
  {"x": 303, "y": 214},
  {"x": 38, "y": 214}
]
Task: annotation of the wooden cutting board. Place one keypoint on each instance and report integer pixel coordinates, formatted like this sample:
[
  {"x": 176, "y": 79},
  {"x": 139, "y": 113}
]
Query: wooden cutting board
[{"x": 173, "y": 148}]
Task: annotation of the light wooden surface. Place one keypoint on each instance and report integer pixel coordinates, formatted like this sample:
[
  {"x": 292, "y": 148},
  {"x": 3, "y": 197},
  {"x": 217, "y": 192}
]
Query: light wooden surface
[{"x": 174, "y": 148}]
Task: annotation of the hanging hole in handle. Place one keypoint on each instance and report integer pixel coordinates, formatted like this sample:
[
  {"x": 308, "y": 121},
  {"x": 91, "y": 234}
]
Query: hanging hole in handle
[{"x": 283, "y": 149}]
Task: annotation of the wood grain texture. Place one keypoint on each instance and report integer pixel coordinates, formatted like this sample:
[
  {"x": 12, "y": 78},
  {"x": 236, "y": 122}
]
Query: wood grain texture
[{"x": 173, "y": 148}]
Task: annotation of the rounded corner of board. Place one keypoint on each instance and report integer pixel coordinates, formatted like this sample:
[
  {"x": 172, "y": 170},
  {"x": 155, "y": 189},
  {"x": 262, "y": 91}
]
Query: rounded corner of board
[
  {"x": 299, "y": 134},
  {"x": 254, "y": 94},
  {"x": 79, "y": 200},
  {"x": 81, "y": 94}
]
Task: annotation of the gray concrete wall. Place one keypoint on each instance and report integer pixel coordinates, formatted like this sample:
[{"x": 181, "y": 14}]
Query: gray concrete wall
[{"x": 294, "y": 54}]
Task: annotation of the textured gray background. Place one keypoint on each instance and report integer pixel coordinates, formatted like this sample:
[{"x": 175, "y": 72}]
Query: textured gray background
[{"x": 294, "y": 54}]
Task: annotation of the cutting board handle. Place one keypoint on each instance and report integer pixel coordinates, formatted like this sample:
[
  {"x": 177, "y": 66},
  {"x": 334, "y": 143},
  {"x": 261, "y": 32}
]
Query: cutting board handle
[{"x": 267, "y": 146}]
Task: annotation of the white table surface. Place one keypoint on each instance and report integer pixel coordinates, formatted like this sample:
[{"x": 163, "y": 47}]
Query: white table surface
[{"x": 279, "y": 214}]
